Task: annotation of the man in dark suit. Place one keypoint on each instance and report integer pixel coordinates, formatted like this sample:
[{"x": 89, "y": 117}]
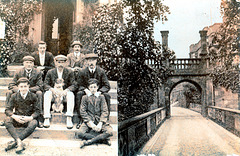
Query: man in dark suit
[
  {"x": 43, "y": 59},
  {"x": 26, "y": 112},
  {"x": 60, "y": 72},
  {"x": 35, "y": 80},
  {"x": 92, "y": 71}
]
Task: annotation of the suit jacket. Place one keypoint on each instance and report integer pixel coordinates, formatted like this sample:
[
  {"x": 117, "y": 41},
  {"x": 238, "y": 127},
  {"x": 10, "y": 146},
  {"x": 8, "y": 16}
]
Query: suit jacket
[
  {"x": 52, "y": 76},
  {"x": 99, "y": 74},
  {"x": 95, "y": 111},
  {"x": 72, "y": 61},
  {"x": 49, "y": 60},
  {"x": 27, "y": 107},
  {"x": 35, "y": 80}
]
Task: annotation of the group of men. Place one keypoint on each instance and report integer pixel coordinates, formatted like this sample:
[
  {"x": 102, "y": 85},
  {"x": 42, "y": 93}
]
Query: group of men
[{"x": 85, "y": 89}]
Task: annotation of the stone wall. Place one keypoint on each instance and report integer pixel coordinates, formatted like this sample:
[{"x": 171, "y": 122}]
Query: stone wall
[{"x": 225, "y": 98}]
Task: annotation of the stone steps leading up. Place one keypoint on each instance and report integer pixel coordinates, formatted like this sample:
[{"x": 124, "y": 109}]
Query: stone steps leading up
[{"x": 55, "y": 131}]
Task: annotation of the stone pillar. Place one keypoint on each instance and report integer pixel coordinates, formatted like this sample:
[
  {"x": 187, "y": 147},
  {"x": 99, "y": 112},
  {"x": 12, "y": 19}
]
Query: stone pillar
[{"x": 164, "y": 38}]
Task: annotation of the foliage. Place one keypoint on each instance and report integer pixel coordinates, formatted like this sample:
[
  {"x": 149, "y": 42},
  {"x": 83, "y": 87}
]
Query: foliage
[
  {"x": 224, "y": 48},
  {"x": 17, "y": 16},
  {"x": 192, "y": 95}
]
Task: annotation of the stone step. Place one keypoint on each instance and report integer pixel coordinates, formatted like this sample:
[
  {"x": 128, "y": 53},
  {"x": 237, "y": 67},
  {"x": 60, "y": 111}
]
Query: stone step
[
  {"x": 113, "y": 107},
  {"x": 55, "y": 131},
  {"x": 4, "y": 89},
  {"x": 58, "y": 118},
  {"x": 6, "y": 80}
]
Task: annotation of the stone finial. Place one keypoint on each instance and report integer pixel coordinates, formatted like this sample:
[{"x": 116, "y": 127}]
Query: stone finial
[{"x": 164, "y": 38}]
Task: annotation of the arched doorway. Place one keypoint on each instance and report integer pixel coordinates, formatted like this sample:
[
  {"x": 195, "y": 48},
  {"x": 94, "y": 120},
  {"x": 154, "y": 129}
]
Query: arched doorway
[{"x": 61, "y": 10}]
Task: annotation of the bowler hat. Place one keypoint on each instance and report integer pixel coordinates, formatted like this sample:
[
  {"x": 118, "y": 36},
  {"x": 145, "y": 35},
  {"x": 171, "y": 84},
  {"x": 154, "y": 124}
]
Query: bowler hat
[
  {"x": 28, "y": 58},
  {"x": 91, "y": 56},
  {"x": 60, "y": 58},
  {"x": 22, "y": 80},
  {"x": 76, "y": 43}
]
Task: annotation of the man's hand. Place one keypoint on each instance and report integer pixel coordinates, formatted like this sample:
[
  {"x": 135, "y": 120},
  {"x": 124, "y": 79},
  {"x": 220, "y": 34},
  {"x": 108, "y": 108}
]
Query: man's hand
[
  {"x": 87, "y": 92},
  {"x": 18, "y": 118},
  {"x": 53, "y": 91},
  {"x": 27, "y": 118},
  {"x": 99, "y": 127},
  {"x": 91, "y": 125}
]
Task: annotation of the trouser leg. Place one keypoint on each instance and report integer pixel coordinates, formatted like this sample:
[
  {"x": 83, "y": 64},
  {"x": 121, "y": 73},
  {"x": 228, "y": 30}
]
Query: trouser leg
[
  {"x": 83, "y": 132},
  {"x": 28, "y": 130},
  {"x": 47, "y": 104},
  {"x": 78, "y": 101},
  {"x": 10, "y": 128},
  {"x": 107, "y": 98},
  {"x": 8, "y": 95},
  {"x": 70, "y": 104},
  {"x": 106, "y": 133}
]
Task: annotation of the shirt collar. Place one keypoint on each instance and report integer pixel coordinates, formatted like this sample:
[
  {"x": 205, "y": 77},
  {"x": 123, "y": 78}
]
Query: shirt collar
[
  {"x": 40, "y": 54},
  {"x": 24, "y": 96},
  {"x": 28, "y": 71},
  {"x": 92, "y": 70},
  {"x": 76, "y": 54}
]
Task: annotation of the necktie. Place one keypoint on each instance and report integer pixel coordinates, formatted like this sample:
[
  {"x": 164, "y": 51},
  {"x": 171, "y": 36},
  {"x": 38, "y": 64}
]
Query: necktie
[{"x": 28, "y": 74}]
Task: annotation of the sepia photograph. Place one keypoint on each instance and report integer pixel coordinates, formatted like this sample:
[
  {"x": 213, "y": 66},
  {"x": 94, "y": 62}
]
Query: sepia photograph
[{"x": 120, "y": 77}]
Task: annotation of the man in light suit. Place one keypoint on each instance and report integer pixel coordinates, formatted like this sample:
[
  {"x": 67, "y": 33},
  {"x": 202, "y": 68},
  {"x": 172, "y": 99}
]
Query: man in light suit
[
  {"x": 76, "y": 58},
  {"x": 92, "y": 71},
  {"x": 43, "y": 59},
  {"x": 60, "y": 72},
  {"x": 34, "y": 76}
]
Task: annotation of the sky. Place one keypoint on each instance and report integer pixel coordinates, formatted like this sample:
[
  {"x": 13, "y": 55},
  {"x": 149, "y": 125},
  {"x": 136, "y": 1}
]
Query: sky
[{"x": 186, "y": 19}]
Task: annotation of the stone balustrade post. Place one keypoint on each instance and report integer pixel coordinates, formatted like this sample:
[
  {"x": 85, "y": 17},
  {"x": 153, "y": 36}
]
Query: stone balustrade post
[{"x": 164, "y": 35}]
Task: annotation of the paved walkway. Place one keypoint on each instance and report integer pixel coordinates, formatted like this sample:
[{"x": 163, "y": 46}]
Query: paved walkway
[{"x": 187, "y": 133}]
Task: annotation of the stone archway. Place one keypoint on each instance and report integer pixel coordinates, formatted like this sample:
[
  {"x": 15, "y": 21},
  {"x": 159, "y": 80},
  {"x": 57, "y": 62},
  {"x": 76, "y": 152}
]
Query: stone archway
[
  {"x": 63, "y": 11},
  {"x": 201, "y": 83}
]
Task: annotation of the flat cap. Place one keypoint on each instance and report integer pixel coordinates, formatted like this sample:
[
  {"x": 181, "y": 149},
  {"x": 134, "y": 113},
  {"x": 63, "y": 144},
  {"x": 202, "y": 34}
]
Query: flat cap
[
  {"x": 28, "y": 58},
  {"x": 22, "y": 80},
  {"x": 60, "y": 58},
  {"x": 76, "y": 43},
  {"x": 91, "y": 56},
  {"x": 42, "y": 42}
]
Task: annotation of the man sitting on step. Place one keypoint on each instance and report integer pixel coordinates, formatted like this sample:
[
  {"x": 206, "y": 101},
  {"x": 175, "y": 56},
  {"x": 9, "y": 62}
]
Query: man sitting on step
[
  {"x": 94, "y": 111},
  {"x": 91, "y": 71},
  {"x": 25, "y": 114},
  {"x": 60, "y": 72},
  {"x": 34, "y": 76}
]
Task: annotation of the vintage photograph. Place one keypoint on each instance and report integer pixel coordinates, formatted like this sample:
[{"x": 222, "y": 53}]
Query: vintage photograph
[{"x": 120, "y": 77}]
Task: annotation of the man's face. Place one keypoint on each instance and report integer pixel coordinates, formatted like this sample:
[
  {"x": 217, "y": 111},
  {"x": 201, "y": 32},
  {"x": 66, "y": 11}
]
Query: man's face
[
  {"x": 93, "y": 88},
  {"x": 76, "y": 48},
  {"x": 23, "y": 87},
  {"x": 92, "y": 63},
  {"x": 42, "y": 48},
  {"x": 60, "y": 64},
  {"x": 28, "y": 65}
]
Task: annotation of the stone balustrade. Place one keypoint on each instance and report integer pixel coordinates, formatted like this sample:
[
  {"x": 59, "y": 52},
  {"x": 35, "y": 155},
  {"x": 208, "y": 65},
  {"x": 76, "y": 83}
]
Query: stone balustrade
[
  {"x": 227, "y": 118},
  {"x": 133, "y": 133}
]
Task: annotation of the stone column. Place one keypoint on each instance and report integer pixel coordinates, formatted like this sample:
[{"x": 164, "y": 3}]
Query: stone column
[
  {"x": 203, "y": 65},
  {"x": 164, "y": 38}
]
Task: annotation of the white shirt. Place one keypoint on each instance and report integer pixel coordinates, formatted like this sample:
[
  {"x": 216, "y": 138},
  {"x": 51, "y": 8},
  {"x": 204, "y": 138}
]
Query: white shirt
[
  {"x": 77, "y": 54},
  {"x": 59, "y": 74},
  {"x": 92, "y": 70},
  {"x": 42, "y": 58},
  {"x": 28, "y": 72},
  {"x": 25, "y": 95}
]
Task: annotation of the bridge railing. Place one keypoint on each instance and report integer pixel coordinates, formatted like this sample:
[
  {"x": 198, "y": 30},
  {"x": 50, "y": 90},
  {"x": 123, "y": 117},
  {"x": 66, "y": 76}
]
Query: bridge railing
[
  {"x": 135, "y": 132},
  {"x": 227, "y": 118},
  {"x": 185, "y": 64}
]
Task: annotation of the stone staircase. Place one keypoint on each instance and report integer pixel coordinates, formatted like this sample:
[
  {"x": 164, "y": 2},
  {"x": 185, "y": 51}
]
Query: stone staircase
[{"x": 58, "y": 130}]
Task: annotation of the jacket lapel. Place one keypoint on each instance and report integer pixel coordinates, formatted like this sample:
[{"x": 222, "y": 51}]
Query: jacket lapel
[{"x": 32, "y": 74}]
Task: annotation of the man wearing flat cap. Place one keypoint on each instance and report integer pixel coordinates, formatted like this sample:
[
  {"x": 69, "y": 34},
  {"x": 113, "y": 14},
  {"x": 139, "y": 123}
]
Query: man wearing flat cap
[
  {"x": 76, "y": 58},
  {"x": 59, "y": 72},
  {"x": 26, "y": 111},
  {"x": 91, "y": 71},
  {"x": 43, "y": 59},
  {"x": 34, "y": 76}
]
